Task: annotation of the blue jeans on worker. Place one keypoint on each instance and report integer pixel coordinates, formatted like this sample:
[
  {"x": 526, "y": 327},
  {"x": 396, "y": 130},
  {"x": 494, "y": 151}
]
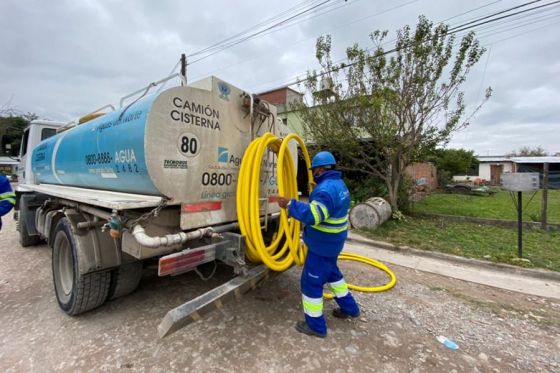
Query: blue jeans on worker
[{"x": 318, "y": 271}]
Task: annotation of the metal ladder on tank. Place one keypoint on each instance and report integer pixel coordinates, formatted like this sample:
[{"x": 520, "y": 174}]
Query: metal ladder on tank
[
  {"x": 266, "y": 199},
  {"x": 143, "y": 90}
]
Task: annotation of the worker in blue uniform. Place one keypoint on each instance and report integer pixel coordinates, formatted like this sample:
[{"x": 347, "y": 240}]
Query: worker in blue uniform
[
  {"x": 326, "y": 227},
  {"x": 7, "y": 197}
]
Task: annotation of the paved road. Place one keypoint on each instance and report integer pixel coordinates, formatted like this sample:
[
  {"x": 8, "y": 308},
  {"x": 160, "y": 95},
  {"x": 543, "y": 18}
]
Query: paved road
[{"x": 496, "y": 330}]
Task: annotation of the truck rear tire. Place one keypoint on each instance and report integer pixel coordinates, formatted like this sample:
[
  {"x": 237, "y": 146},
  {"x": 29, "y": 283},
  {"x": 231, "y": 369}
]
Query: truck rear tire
[
  {"x": 125, "y": 279},
  {"x": 25, "y": 239},
  {"x": 76, "y": 293}
]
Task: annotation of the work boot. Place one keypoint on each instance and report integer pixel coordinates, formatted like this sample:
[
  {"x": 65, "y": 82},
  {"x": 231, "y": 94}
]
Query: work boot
[
  {"x": 337, "y": 312},
  {"x": 302, "y": 327}
]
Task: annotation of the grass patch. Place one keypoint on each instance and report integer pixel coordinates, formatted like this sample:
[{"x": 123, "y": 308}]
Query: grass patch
[
  {"x": 499, "y": 206},
  {"x": 473, "y": 241}
]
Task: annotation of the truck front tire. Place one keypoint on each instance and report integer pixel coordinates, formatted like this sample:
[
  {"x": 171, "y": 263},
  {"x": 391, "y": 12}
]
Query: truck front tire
[{"x": 76, "y": 293}]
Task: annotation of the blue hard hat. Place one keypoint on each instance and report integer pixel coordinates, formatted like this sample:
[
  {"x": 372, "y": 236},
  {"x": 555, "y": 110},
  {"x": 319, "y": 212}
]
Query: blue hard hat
[{"x": 323, "y": 159}]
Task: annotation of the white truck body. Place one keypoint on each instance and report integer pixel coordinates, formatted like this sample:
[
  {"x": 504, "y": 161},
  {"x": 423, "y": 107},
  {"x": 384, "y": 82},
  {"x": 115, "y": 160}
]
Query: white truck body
[{"x": 102, "y": 236}]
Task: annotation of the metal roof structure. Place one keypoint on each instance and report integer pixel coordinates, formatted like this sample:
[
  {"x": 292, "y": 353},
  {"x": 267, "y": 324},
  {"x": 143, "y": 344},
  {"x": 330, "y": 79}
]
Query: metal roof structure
[
  {"x": 493, "y": 159},
  {"x": 519, "y": 159},
  {"x": 8, "y": 160},
  {"x": 535, "y": 159}
]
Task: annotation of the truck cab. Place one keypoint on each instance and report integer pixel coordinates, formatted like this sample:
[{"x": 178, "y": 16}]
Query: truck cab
[{"x": 37, "y": 131}]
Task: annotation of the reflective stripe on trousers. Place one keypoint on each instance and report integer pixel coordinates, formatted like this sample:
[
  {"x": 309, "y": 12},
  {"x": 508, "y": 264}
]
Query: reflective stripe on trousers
[
  {"x": 312, "y": 307},
  {"x": 339, "y": 288}
]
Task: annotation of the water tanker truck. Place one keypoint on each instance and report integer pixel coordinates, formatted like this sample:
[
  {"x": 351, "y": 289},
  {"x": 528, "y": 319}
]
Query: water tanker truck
[{"x": 152, "y": 178}]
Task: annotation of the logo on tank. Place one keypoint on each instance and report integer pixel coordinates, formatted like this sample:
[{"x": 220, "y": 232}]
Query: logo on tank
[
  {"x": 224, "y": 90},
  {"x": 225, "y": 157}
]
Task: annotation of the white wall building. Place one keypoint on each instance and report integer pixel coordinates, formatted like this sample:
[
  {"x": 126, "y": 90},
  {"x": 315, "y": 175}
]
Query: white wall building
[{"x": 490, "y": 168}]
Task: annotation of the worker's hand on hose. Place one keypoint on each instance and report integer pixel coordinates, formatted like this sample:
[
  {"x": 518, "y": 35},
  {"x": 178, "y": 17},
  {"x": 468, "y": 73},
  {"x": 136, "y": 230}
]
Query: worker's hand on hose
[{"x": 283, "y": 202}]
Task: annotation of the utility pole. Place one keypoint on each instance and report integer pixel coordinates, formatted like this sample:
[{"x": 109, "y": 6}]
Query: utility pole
[
  {"x": 544, "y": 223},
  {"x": 183, "y": 66}
]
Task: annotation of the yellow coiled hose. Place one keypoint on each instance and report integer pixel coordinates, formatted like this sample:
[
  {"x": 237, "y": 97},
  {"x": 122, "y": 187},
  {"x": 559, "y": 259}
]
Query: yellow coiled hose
[{"x": 249, "y": 210}]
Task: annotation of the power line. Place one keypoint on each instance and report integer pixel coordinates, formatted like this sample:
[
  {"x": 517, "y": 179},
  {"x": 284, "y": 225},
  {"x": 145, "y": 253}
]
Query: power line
[
  {"x": 472, "y": 10},
  {"x": 477, "y": 19},
  {"x": 250, "y": 36},
  {"x": 518, "y": 20},
  {"x": 522, "y": 33},
  {"x": 500, "y": 28},
  {"x": 495, "y": 14},
  {"x": 453, "y": 31},
  {"x": 256, "y": 26},
  {"x": 298, "y": 80},
  {"x": 356, "y": 20},
  {"x": 457, "y": 29},
  {"x": 336, "y": 28}
]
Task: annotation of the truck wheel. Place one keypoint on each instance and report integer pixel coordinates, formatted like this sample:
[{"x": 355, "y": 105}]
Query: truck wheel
[
  {"x": 76, "y": 293},
  {"x": 125, "y": 279},
  {"x": 25, "y": 239}
]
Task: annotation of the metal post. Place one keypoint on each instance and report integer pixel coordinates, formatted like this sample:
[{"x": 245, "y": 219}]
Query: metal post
[
  {"x": 544, "y": 208},
  {"x": 184, "y": 66},
  {"x": 519, "y": 225}
]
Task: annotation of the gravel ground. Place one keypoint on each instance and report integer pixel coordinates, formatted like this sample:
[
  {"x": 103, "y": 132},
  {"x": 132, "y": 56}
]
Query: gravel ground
[{"x": 497, "y": 331}]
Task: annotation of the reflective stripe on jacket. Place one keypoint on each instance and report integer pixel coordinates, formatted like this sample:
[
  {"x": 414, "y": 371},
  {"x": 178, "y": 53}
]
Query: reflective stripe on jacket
[
  {"x": 7, "y": 197},
  {"x": 325, "y": 216}
]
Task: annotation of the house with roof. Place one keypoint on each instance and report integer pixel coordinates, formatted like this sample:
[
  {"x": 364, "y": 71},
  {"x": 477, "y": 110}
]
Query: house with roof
[
  {"x": 8, "y": 165},
  {"x": 423, "y": 175},
  {"x": 491, "y": 167},
  {"x": 283, "y": 98}
]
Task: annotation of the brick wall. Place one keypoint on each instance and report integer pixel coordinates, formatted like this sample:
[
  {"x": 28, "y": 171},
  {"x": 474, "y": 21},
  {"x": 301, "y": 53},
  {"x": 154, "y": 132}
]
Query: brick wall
[
  {"x": 274, "y": 97},
  {"x": 424, "y": 175}
]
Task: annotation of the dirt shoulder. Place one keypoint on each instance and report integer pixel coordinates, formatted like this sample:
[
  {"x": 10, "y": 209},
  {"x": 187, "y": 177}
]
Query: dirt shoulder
[{"x": 497, "y": 330}]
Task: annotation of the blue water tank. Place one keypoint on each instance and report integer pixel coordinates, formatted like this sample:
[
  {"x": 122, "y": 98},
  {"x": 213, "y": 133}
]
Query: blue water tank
[
  {"x": 105, "y": 153},
  {"x": 185, "y": 143}
]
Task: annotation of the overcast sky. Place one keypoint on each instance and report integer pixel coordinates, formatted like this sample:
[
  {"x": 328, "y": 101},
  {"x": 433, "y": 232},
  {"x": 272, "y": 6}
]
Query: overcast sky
[{"x": 62, "y": 59}]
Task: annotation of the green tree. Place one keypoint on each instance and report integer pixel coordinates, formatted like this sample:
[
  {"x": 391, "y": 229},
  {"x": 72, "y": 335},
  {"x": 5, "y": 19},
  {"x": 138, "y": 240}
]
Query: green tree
[
  {"x": 454, "y": 161},
  {"x": 389, "y": 108},
  {"x": 450, "y": 162},
  {"x": 11, "y": 131}
]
